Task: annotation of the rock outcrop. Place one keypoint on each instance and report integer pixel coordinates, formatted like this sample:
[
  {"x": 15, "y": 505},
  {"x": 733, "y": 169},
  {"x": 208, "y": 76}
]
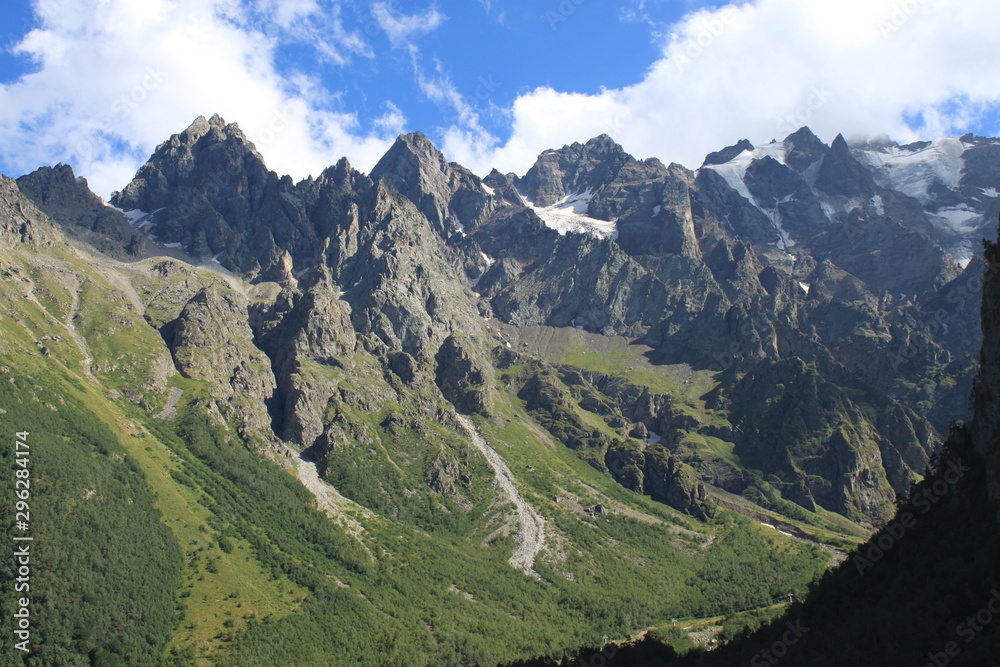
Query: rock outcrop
[
  {"x": 67, "y": 199},
  {"x": 986, "y": 422},
  {"x": 212, "y": 341}
]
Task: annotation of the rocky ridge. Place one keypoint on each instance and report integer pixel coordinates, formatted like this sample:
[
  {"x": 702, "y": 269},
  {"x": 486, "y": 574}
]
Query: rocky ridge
[{"x": 756, "y": 268}]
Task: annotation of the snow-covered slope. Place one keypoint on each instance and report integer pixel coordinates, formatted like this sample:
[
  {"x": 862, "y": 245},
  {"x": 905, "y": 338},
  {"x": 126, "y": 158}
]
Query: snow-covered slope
[
  {"x": 915, "y": 171},
  {"x": 734, "y": 172},
  {"x": 570, "y": 215},
  {"x": 935, "y": 174}
]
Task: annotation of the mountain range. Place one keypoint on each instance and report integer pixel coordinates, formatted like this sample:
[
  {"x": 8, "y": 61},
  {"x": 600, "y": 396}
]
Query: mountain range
[{"x": 448, "y": 411}]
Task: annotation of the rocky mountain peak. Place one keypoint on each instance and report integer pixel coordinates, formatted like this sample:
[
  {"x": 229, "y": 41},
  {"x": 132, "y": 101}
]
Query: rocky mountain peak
[
  {"x": 411, "y": 159},
  {"x": 206, "y": 149},
  {"x": 420, "y": 172},
  {"x": 202, "y": 134},
  {"x": 728, "y": 153},
  {"x": 804, "y": 149},
  {"x": 572, "y": 169},
  {"x": 841, "y": 174}
]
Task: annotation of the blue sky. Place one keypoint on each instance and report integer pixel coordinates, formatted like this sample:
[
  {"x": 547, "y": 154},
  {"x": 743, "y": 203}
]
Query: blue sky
[{"x": 99, "y": 83}]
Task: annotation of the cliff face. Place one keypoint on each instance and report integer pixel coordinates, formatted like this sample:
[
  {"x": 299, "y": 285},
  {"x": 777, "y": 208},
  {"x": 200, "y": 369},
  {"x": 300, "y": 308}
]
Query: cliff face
[{"x": 986, "y": 422}]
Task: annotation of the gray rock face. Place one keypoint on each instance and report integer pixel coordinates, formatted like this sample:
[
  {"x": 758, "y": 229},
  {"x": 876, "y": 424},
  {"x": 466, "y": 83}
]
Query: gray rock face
[
  {"x": 68, "y": 200},
  {"x": 465, "y": 381},
  {"x": 723, "y": 212},
  {"x": 777, "y": 188},
  {"x": 212, "y": 341},
  {"x": 404, "y": 286},
  {"x": 675, "y": 484},
  {"x": 447, "y": 194},
  {"x": 805, "y": 150},
  {"x": 20, "y": 219},
  {"x": 210, "y": 191},
  {"x": 841, "y": 174},
  {"x": 653, "y": 208},
  {"x": 982, "y": 165},
  {"x": 886, "y": 255},
  {"x": 986, "y": 423},
  {"x": 573, "y": 169}
]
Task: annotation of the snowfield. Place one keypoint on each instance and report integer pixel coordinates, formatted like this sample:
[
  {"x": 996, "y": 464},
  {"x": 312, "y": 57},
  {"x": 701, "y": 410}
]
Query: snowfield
[
  {"x": 914, "y": 172},
  {"x": 570, "y": 215}
]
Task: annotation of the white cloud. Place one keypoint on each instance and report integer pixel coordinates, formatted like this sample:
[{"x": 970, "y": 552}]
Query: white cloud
[
  {"x": 760, "y": 70},
  {"x": 312, "y": 22},
  {"x": 116, "y": 77},
  {"x": 392, "y": 122},
  {"x": 402, "y": 29}
]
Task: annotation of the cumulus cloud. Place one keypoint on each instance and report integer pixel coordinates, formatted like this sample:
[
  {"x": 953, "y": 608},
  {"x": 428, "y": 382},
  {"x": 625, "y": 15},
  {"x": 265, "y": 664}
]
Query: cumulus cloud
[
  {"x": 908, "y": 68},
  {"x": 113, "y": 78}
]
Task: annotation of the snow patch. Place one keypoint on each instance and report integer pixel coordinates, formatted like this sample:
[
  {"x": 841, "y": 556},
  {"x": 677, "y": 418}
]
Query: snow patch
[
  {"x": 734, "y": 173},
  {"x": 135, "y": 216},
  {"x": 488, "y": 190},
  {"x": 570, "y": 215},
  {"x": 878, "y": 204},
  {"x": 914, "y": 172},
  {"x": 654, "y": 438},
  {"x": 785, "y": 242},
  {"x": 961, "y": 219},
  {"x": 991, "y": 192},
  {"x": 656, "y": 210},
  {"x": 172, "y": 245},
  {"x": 139, "y": 218},
  {"x": 489, "y": 262},
  {"x": 805, "y": 287}
]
